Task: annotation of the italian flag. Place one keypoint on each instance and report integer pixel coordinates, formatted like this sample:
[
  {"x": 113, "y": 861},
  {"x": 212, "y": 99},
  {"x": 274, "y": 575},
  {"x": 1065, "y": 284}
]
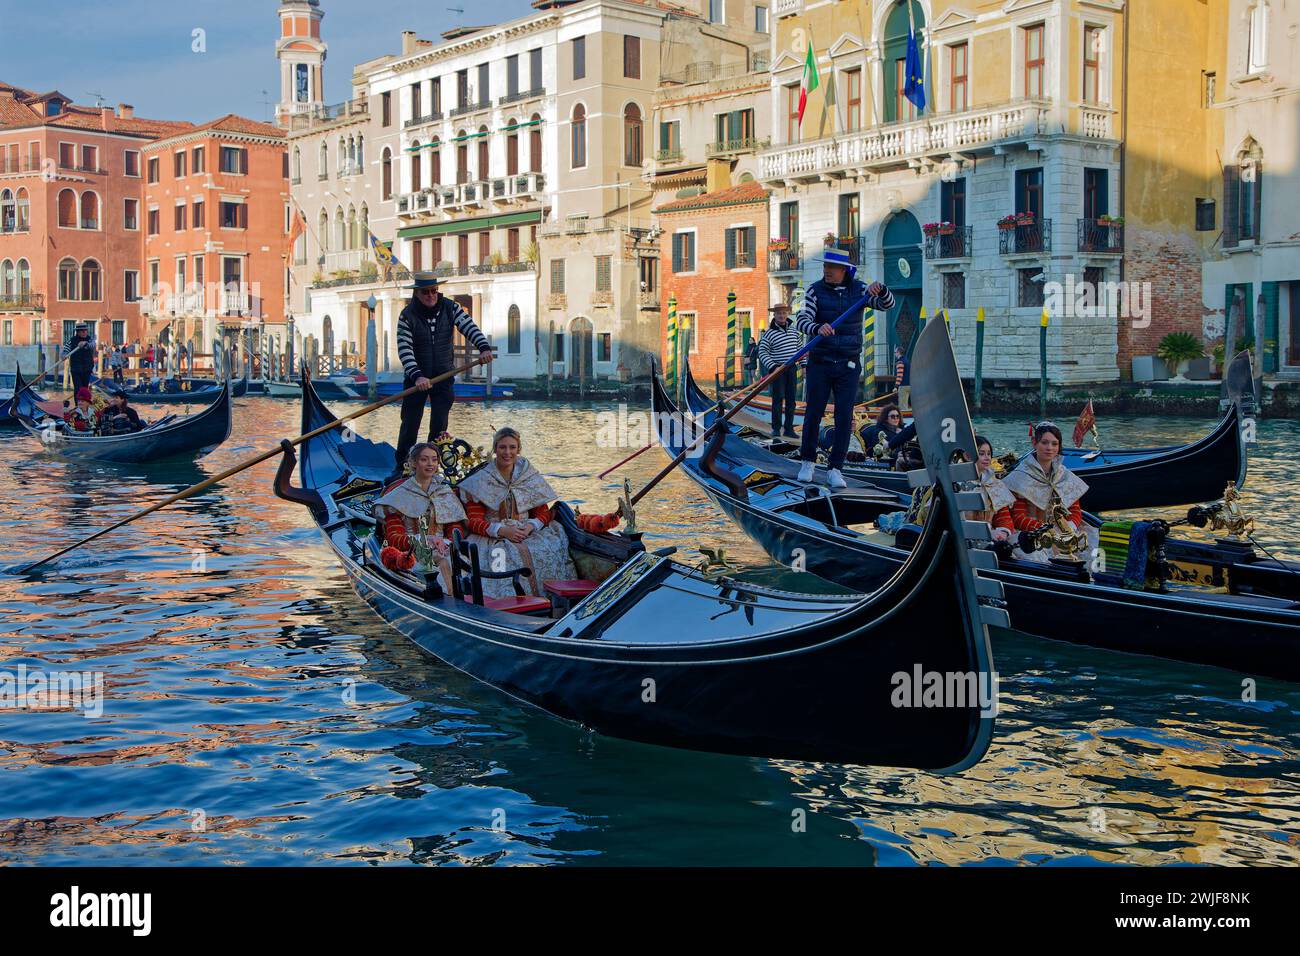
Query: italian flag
[{"x": 809, "y": 82}]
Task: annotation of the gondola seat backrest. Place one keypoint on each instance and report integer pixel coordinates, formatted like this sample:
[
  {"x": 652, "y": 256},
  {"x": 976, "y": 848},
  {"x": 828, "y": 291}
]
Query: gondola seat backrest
[{"x": 467, "y": 577}]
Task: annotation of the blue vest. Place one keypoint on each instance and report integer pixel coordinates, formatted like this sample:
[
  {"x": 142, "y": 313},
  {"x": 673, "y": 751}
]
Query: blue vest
[{"x": 846, "y": 343}]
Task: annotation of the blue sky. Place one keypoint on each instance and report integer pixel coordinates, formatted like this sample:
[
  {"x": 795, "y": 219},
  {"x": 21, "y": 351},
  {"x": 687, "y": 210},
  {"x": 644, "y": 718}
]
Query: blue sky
[{"x": 139, "y": 51}]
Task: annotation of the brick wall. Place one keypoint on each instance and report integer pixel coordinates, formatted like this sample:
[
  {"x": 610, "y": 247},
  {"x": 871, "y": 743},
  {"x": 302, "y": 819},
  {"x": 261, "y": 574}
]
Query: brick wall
[{"x": 1171, "y": 264}]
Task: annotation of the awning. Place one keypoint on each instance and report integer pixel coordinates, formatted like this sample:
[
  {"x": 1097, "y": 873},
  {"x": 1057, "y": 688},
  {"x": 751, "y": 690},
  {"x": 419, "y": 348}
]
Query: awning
[{"x": 471, "y": 225}]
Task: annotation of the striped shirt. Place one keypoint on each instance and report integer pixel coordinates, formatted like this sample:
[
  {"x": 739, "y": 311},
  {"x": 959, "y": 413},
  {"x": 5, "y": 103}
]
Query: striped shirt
[
  {"x": 806, "y": 320},
  {"x": 777, "y": 346},
  {"x": 406, "y": 351}
]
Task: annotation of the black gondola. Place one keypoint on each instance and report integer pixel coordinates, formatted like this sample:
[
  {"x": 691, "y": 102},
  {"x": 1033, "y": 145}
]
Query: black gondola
[
  {"x": 195, "y": 391},
  {"x": 1255, "y": 628},
  {"x": 26, "y": 398},
  {"x": 191, "y": 436},
  {"x": 662, "y": 653},
  {"x": 1118, "y": 479}
]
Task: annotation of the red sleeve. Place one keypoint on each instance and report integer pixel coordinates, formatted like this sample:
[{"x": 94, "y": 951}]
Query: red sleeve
[
  {"x": 477, "y": 518},
  {"x": 1002, "y": 519},
  {"x": 395, "y": 532},
  {"x": 1021, "y": 519},
  {"x": 1076, "y": 515},
  {"x": 451, "y": 526},
  {"x": 542, "y": 513},
  {"x": 597, "y": 524}
]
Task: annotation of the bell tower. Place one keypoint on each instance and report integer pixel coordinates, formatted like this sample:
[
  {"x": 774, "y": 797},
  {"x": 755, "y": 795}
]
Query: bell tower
[{"x": 301, "y": 53}]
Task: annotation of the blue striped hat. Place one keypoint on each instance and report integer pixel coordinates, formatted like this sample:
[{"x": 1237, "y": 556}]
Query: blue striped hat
[{"x": 837, "y": 257}]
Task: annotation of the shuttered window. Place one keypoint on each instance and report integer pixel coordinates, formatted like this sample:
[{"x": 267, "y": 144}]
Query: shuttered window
[
  {"x": 602, "y": 274},
  {"x": 557, "y": 275},
  {"x": 684, "y": 252},
  {"x": 632, "y": 57},
  {"x": 1231, "y": 201},
  {"x": 740, "y": 247}
]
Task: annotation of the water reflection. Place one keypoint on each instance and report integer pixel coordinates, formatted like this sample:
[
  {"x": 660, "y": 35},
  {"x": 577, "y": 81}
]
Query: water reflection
[{"x": 258, "y": 712}]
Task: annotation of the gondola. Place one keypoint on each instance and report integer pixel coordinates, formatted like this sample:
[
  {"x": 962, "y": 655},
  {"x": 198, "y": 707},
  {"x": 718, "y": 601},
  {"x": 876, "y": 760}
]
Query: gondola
[
  {"x": 26, "y": 404},
  {"x": 1254, "y": 628},
  {"x": 665, "y": 654},
  {"x": 199, "y": 392},
  {"x": 1118, "y": 480},
  {"x": 190, "y": 436}
]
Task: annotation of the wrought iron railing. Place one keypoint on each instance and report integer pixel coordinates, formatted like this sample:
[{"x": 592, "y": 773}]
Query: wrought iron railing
[
  {"x": 1100, "y": 235},
  {"x": 522, "y": 95},
  {"x": 956, "y": 243},
  {"x": 1025, "y": 237},
  {"x": 22, "y": 302},
  {"x": 789, "y": 259}
]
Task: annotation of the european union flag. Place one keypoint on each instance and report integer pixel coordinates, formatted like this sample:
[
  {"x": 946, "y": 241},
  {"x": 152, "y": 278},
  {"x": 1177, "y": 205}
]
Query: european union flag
[{"x": 914, "y": 86}]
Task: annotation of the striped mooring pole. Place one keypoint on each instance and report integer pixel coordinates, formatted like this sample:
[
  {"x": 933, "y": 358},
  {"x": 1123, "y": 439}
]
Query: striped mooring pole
[
  {"x": 731, "y": 339},
  {"x": 671, "y": 346},
  {"x": 1042, "y": 365},
  {"x": 869, "y": 351},
  {"x": 979, "y": 357}
]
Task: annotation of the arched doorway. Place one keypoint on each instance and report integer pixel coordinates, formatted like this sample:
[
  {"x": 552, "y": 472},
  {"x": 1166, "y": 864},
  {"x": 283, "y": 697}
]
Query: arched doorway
[
  {"x": 903, "y": 271},
  {"x": 581, "y": 354}
]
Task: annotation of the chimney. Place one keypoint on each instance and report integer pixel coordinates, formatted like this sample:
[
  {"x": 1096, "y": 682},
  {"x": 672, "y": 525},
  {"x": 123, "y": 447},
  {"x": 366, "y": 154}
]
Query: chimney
[
  {"x": 408, "y": 42},
  {"x": 717, "y": 175},
  {"x": 125, "y": 111},
  {"x": 105, "y": 114}
]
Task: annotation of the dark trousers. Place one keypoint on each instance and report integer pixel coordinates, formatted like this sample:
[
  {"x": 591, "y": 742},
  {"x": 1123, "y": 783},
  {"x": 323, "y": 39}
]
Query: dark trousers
[
  {"x": 822, "y": 381},
  {"x": 440, "y": 399},
  {"x": 783, "y": 403},
  {"x": 117, "y": 373},
  {"x": 80, "y": 378}
]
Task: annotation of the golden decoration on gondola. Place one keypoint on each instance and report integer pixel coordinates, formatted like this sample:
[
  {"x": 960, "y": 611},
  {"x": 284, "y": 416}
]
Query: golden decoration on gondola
[
  {"x": 625, "y": 509},
  {"x": 1060, "y": 533},
  {"x": 1230, "y": 517},
  {"x": 458, "y": 459},
  {"x": 715, "y": 563},
  {"x": 1003, "y": 464}
]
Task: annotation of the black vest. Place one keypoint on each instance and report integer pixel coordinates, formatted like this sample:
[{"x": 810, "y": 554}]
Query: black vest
[
  {"x": 432, "y": 346},
  {"x": 82, "y": 361}
]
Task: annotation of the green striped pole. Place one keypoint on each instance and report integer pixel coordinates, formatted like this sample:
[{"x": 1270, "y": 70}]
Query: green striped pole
[
  {"x": 731, "y": 339},
  {"x": 869, "y": 351},
  {"x": 1042, "y": 365},
  {"x": 670, "y": 348},
  {"x": 979, "y": 357},
  {"x": 795, "y": 305}
]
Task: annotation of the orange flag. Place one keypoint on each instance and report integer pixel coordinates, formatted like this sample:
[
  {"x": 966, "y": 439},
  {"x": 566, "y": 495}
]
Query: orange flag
[
  {"x": 1086, "y": 423},
  {"x": 295, "y": 228}
]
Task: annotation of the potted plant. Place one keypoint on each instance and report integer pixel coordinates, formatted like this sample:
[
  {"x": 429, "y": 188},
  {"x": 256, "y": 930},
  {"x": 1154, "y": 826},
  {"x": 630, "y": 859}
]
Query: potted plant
[
  {"x": 1024, "y": 219},
  {"x": 778, "y": 245},
  {"x": 532, "y": 253},
  {"x": 1177, "y": 349},
  {"x": 930, "y": 229},
  {"x": 946, "y": 228},
  {"x": 1008, "y": 222},
  {"x": 829, "y": 240}
]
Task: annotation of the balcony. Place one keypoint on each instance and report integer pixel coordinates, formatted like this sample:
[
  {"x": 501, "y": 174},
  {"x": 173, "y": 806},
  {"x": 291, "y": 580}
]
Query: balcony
[
  {"x": 669, "y": 155},
  {"x": 729, "y": 147},
  {"x": 81, "y": 168},
  {"x": 789, "y": 259},
  {"x": 648, "y": 300},
  {"x": 1025, "y": 238},
  {"x": 602, "y": 298},
  {"x": 957, "y": 243},
  {"x": 433, "y": 117},
  {"x": 901, "y": 145},
  {"x": 235, "y": 302},
  {"x": 22, "y": 166},
  {"x": 522, "y": 95},
  {"x": 22, "y": 302},
  {"x": 305, "y": 116},
  {"x": 1101, "y": 236},
  {"x": 557, "y": 300},
  {"x": 417, "y": 204},
  {"x": 787, "y": 8},
  {"x": 470, "y": 108}
]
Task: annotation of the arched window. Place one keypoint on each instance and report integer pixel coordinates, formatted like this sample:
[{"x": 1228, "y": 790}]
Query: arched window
[
  {"x": 578, "y": 137},
  {"x": 386, "y": 173},
  {"x": 24, "y": 211},
  {"x": 352, "y": 229},
  {"x": 297, "y": 164},
  {"x": 435, "y": 164},
  {"x": 415, "y": 166},
  {"x": 1257, "y": 39},
  {"x": 535, "y": 144},
  {"x": 462, "y": 158},
  {"x": 8, "y": 211},
  {"x": 483, "y": 164},
  {"x": 68, "y": 280},
  {"x": 512, "y": 148},
  {"x": 89, "y": 210},
  {"x": 363, "y": 236},
  {"x": 361, "y": 152},
  {"x": 7, "y": 284},
  {"x": 342, "y": 156},
  {"x": 324, "y": 170},
  {"x": 632, "y": 154},
  {"x": 323, "y": 231},
  {"x": 67, "y": 209},
  {"x": 340, "y": 231},
  {"x": 24, "y": 277},
  {"x": 512, "y": 331},
  {"x": 90, "y": 288}
]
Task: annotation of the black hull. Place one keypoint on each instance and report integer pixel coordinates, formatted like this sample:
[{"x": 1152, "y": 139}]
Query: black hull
[
  {"x": 208, "y": 392},
  {"x": 26, "y": 403},
  {"x": 1256, "y": 636},
  {"x": 822, "y": 690},
  {"x": 1118, "y": 480},
  {"x": 192, "y": 436}
]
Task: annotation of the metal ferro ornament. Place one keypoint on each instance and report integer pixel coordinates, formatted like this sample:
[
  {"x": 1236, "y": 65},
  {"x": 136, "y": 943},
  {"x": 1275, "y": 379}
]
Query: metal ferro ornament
[{"x": 1231, "y": 517}]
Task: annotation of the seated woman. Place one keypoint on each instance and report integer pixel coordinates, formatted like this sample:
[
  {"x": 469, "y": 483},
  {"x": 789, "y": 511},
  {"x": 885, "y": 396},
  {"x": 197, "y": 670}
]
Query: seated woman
[
  {"x": 998, "y": 501},
  {"x": 82, "y": 416},
  {"x": 508, "y": 504},
  {"x": 426, "y": 495},
  {"x": 888, "y": 424},
  {"x": 117, "y": 416},
  {"x": 1036, "y": 478}
]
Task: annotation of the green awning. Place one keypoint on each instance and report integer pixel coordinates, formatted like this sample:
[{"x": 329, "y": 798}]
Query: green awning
[
  {"x": 514, "y": 126},
  {"x": 471, "y": 225}
]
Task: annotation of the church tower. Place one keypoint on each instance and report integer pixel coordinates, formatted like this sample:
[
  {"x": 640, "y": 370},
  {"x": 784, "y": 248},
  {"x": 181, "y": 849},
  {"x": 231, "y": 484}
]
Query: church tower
[{"x": 301, "y": 53}]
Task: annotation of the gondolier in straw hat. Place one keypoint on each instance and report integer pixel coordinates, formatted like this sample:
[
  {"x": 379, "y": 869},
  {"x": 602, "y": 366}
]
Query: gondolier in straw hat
[
  {"x": 834, "y": 365},
  {"x": 82, "y": 351},
  {"x": 424, "y": 346}
]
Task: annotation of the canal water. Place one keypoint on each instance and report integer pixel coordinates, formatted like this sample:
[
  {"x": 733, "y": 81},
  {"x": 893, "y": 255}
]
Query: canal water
[{"x": 257, "y": 712}]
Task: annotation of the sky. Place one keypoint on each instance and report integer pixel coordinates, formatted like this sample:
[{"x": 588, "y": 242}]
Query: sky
[{"x": 142, "y": 51}]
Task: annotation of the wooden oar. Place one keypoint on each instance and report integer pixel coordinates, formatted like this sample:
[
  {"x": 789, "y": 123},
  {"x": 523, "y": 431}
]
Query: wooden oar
[
  {"x": 626, "y": 460},
  {"x": 78, "y": 348},
  {"x": 270, "y": 453},
  {"x": 757, "y": 387}
]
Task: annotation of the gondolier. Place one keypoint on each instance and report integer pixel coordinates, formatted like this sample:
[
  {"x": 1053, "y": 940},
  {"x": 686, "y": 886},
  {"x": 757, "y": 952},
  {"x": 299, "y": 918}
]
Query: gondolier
[
  {"x": 778, "y": 344},
  {"x": 81, "y": 364},
  {"x": 424, "y": 347},
  {"x": 835, "y": 365}
]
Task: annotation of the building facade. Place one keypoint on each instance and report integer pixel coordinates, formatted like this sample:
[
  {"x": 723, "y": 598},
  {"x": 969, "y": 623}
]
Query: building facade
[
  {"x": 215, "y": 227},
  {"x": 71, "y": 216},
  {"x": 1254, "y": 277},
  {"x": 1012, "y": 189}
]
